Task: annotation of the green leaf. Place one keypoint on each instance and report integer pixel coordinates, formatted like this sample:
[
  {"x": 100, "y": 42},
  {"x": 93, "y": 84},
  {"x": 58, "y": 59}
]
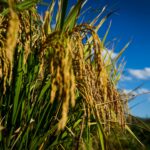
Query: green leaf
[
  {"x": 77, "y": 122},
  {"x": 48, "y": 18},
  {"x": 72, "y": 17},
  {"x": 38, "y": 140},
  {"x": 44, "y": 89},
  {"x": 101, "y": 138},
  {"x": 134, "y": 136},
  {"x": 26, "y": 4},
  {"x": 98, "y": 16},
  {"x": 103, "y": 21},
  {"x": 64, "y": 4},
  {"x": 18, "y": 86},
  {"x": 121, "y": 52},
  {"x": 106, "y": 34},
  {"x": 21, "y": 6}
]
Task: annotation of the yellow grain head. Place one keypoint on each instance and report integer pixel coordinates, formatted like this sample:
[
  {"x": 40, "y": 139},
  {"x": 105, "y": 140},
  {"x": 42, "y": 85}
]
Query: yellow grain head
[
  {"x": 10, "y": 44},
  {"x": 62, "y": 75}
]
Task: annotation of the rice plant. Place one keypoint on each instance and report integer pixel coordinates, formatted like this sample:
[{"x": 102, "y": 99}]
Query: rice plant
[{"x": 57, "y": 91}]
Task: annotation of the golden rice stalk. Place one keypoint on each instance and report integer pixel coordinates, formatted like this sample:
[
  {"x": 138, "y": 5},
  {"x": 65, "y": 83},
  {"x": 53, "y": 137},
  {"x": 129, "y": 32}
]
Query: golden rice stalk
[
  {"x": 31, "y": 30},
  {"x": 68, "y": 65},
  {"x": 93, "y": 79},
  {"x": 2, "y": 42},
  {"x": 62, "y": 76},
  {"x": 46, "y": 24},
  {"x": 0, "y": 68},
  {"x": 11, "y": 41}
]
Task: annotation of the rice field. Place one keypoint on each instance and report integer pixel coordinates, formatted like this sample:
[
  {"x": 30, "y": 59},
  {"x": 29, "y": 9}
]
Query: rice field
[{"x": 58, "y": 84}]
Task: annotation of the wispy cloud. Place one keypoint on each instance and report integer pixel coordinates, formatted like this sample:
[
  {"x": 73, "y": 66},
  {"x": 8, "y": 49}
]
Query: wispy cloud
[
  {"x": 109, "y": 54},
  {"x": 143, "y": 74},
  {"x": 126, "y": 78},
  {"x": 137, "y": 92},
  {"x": 143, "y": 90}
]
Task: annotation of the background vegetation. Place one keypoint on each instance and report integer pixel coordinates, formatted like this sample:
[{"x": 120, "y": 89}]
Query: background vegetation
[{"x": 58, "y": 83}]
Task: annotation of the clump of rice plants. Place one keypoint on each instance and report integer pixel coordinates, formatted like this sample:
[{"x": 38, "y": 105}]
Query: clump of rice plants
[{"x": 56, "y": 89}]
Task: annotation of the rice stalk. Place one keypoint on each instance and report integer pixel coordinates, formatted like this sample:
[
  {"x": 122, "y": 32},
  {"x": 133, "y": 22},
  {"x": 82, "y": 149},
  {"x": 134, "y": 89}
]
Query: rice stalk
[
  {"x": 62, "y": 77},
  {"x": 7, "y": 52},
  {"x": 93, "y": 81},
  {"x": 61, "y": 68}
]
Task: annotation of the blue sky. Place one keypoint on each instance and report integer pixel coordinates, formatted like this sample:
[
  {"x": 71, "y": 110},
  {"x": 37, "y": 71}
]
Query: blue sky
[{"x": 130, "y": 22}]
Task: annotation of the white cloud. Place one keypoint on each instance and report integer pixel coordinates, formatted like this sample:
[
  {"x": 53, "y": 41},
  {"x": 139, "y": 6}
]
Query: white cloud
[
  {"x": 108, "y": 54},
  {"x": 127, "y": 91},
  {"x": 139, "y": 91},
  {"x": 143, "y": 90},
  {"x": 126, "y": 78},
  {"x": 133, "y": 94},
  {"x": 143, "y": 74}
]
